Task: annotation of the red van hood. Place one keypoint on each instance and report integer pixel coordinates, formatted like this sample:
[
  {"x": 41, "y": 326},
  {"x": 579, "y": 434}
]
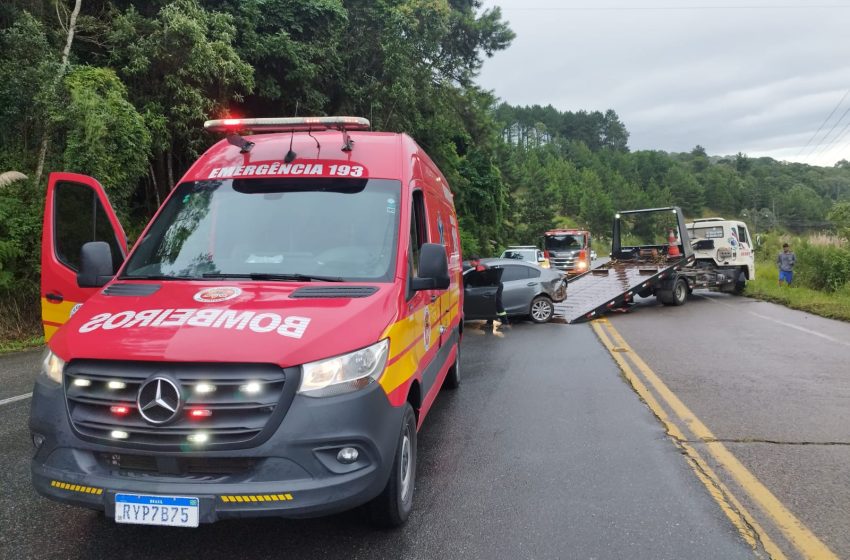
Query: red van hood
[{"x": 238, "y": 322}]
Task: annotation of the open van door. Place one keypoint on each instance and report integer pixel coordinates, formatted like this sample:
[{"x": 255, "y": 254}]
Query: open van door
[{"x": 76, "y": 211}]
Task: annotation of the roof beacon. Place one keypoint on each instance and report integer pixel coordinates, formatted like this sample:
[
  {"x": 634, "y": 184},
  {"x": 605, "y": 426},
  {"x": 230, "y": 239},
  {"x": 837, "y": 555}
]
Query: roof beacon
[{"x": 290, "y": 124}]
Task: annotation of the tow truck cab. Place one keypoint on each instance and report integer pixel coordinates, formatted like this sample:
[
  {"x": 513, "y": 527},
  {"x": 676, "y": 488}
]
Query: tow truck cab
[
  {"x": 271, "y": 344},
  {"x": 568, "y": 250},
  {"x": 724, "y": 255}
]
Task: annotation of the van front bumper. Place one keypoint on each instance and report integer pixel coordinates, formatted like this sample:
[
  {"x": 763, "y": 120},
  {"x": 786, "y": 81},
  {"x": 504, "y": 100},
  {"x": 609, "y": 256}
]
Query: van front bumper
[{"x": 295, "y": 473}]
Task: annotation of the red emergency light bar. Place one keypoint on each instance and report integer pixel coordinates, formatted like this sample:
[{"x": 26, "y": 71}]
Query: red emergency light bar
[{"x": 289, "y": 124}]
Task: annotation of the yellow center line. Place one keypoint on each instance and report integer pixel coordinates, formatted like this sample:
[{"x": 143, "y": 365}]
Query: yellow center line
[{"x": 800, "y": 536}]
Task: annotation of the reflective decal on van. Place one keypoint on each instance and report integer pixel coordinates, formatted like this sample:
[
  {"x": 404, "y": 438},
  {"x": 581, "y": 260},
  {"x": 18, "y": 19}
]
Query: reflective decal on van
[
  {"x": 310, "y": 168},
  {"x": 291, "y": 326}
]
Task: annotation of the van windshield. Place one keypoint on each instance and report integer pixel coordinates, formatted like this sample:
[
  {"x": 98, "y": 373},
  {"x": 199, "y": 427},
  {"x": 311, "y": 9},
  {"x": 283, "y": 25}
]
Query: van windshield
[{"x": 279, "y": 229}]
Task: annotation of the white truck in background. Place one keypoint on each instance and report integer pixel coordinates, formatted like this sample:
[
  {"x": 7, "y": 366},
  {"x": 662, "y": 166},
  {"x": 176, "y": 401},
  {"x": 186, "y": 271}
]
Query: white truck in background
[{"x": 724, "y": 255}]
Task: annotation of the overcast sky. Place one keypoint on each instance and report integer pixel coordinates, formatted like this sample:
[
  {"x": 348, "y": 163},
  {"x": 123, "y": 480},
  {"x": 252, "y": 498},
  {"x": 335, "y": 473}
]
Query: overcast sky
[{"x": 754, "y": 76}]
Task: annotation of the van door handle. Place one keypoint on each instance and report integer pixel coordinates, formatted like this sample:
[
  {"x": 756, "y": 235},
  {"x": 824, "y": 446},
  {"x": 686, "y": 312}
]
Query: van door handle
[
  {"x": 433, "y": 299},
  {"x": 531, "y": 284},
  {"x": 54, "y": 298}
]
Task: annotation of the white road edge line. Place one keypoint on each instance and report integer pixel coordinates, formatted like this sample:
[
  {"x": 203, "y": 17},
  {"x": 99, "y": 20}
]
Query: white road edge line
[
  {"x": 783, "y": 323},
  {"x": 15, "y": 399}
]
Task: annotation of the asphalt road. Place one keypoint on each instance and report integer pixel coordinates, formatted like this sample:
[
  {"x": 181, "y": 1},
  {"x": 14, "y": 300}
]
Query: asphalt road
[
  {"x": 544, "y": 452},
  {"x": 772, "y": 384}
]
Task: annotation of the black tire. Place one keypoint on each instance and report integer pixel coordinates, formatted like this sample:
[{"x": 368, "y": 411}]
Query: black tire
[
  {"x": 541, "y": 309},
  {"x": 679, "y": 293},
  {"x": 452, "y": 380},
  {"x": 740, "y": 284},
  {"x": 675, "y": 296},
  {"x": 393, "y": 506}
]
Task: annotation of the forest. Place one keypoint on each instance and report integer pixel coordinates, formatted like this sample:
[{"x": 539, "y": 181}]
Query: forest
[{"x": 119, "y": 89}]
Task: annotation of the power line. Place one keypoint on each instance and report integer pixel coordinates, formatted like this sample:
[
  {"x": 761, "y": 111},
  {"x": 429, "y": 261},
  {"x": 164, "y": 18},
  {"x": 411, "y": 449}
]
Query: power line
[
  {"x": 838, "y": 139},
  {"x": 825, "y": 136},
  {"x": 824, "y": 122}
]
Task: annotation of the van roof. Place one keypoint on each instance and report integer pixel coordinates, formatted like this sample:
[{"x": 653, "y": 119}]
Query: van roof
[{"x": 382, "y": 154}]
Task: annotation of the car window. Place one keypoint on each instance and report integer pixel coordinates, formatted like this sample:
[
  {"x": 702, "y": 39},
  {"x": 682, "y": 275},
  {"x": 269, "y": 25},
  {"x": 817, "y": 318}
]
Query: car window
[
  {"x": 514, "y": 272},
  {"x": 533, "y": 272}
]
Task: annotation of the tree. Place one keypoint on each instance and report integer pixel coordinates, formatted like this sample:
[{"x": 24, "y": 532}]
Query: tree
[{"x": 839, "y": 215}]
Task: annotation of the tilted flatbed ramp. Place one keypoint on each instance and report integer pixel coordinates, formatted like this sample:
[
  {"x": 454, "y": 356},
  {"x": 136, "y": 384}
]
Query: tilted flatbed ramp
[{"x": 596, "y": 292}]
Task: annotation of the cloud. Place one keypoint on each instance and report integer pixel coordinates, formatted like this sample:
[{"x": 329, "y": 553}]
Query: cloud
[{"x": 759, "y": 81}]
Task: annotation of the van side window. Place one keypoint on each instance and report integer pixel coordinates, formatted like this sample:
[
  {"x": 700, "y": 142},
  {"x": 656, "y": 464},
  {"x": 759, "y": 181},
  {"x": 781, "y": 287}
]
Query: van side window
[
  {"x": 80, "y": 218},
  {"x": 418, "y": 231},
  {"x": 742, "y": 235}
]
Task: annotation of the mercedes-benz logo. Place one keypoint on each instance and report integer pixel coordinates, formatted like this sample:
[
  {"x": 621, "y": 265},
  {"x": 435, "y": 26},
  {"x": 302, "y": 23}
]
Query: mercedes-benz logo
[{"x": 158, "y": 400}]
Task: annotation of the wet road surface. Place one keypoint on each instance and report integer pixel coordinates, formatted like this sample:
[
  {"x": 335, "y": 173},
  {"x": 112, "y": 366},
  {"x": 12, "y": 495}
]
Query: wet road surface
[
  {"x": 544, "y": 452},
  {"x": 773, "y": 385}
]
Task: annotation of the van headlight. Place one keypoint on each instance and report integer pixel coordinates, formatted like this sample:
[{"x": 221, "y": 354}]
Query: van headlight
[
  {"x": 52, "y": 366},
  {"x": 346, "y": 373}
]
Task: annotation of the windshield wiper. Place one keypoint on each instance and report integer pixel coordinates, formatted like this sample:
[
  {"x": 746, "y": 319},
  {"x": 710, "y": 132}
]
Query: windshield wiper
[
  {"x": 280, "y": 277},
  {"x": 154, "y": 277}
]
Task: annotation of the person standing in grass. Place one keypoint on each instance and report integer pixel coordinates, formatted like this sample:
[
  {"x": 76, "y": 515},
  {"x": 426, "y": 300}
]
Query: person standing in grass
[{"x": 786, "y": 261}]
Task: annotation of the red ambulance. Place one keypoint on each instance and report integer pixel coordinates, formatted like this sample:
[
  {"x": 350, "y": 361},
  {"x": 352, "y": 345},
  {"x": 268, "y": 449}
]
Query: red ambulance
[{"x": 269, "y": 347}]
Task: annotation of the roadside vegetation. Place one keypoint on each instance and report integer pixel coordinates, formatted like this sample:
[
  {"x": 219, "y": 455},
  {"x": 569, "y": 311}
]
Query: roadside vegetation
[
  {"x": 120, "y": 89},
  {"x": 821, "y": 277}
]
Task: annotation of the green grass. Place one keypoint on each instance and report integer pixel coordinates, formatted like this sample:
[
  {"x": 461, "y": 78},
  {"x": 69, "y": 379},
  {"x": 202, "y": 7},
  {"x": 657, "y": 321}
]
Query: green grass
[
  {"x": 7, "y": 346},
  {"x": 834, "y": 305}
]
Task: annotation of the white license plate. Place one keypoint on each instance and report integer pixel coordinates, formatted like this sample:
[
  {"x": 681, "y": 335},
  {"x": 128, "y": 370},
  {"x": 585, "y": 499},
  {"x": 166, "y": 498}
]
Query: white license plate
[{"x": 156, "y": 510}]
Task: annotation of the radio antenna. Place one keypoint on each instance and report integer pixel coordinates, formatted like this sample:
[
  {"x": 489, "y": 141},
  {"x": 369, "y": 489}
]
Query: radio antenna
[{"x": 290, "y": 155}]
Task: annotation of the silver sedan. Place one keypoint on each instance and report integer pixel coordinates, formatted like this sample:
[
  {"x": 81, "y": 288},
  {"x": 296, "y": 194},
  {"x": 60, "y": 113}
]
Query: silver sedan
[{"x": 528, "y": 290}]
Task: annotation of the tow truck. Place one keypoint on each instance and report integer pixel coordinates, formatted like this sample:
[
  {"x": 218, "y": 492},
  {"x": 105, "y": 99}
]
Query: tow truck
[
  {"x": 709, "y": 253},
  {"x": 643, "y": 262}
]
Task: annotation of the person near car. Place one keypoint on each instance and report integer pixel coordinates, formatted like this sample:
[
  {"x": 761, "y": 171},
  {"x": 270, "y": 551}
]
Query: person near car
[
  {"x": 786, "y": 261},
  {"x": 501, "y": 314}
]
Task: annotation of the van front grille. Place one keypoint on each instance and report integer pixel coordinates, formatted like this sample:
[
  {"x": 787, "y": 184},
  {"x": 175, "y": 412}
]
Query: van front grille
[{"x": 220, "y": 405}]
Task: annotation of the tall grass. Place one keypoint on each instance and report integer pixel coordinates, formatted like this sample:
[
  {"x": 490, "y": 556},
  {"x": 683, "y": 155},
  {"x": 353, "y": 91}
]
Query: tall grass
[
  {"x": 821, "y": 276},
  {"x": 20, "y": 320}
]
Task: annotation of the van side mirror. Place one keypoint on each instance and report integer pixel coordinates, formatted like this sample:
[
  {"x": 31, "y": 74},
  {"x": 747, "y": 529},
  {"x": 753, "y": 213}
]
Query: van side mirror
[
  {"x": 433, "y": 268},
  {"x": 95, "y": 265}
]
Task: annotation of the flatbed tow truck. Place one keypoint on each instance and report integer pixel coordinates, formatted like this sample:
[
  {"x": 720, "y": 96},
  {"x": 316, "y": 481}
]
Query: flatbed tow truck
[{"x": 642, "y": 263}]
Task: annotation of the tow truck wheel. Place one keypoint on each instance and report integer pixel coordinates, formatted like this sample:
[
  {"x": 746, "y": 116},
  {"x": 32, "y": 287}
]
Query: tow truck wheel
[
  {"x": 680, "y": 292},
  {"x": 740, "y": 284},
  {"x": 542, "y": 309},
  {"x": 453, "y": 377},
  {"x": 392, "y": 507}
]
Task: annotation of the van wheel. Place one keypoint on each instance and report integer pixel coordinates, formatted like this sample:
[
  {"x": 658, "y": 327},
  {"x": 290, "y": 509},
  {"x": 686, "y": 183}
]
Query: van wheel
[
  {"x": 452, "y": 380},
  {"x": 392, "y": 507},
  {"x": 542, "y": 309}
]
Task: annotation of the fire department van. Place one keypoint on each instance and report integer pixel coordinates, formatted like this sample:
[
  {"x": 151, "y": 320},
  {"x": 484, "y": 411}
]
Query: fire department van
[{"x": 269, "y": 347}]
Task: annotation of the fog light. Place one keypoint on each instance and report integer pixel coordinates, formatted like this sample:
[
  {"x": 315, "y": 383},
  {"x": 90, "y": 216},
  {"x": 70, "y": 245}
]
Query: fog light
[
  {"x": 118, "y": 434},
  {"x": 116, "y": 385},
  {"x": 347, "y": 455},
  {"x": 252, "y": 388},
  {"x": 204, "y": 388},
  {"x": 37, "y": 440},
  {"x": 199, "y": 437},
  {"x": 81, "y": 382}
]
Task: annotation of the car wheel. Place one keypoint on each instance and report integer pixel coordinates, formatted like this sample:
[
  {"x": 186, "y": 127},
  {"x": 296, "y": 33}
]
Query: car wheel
[
  {"x": 452, "y": 380},
  {"x": 392, "y": 507},
  {"x": 542, "y": 309}
]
